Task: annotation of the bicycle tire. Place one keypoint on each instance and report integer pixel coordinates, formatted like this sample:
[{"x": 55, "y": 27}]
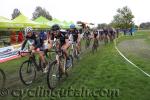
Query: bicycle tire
[
  {"x": 50, "y": 74},
  {"x": 71, "y": 58},
  {"x": 95, "y": 46},
  {"x": 28, "y": 62},
  {"x": 2, "y": 82}
]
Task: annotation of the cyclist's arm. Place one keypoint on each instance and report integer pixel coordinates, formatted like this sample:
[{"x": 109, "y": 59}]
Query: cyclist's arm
[
  {"x": 23, "y": 44},
  {"x": 98, "y": 35},
  {"x": 79, "y": 37},
  {"x": 91, "y": 36},
  {"x": 66, "y": 39},
  {"x": 51, "y": 42}
]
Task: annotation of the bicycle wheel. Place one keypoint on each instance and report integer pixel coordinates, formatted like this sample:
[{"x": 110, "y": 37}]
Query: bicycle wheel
[
  {"x": 27, "y": 72},
  {"x": 75, "y": 53},
  {"x": 53, "y": 75},
  {"x": 106, "y": 40},
  {"x": 71, "y": 62},
  {"x": 2, "y": 79},
  {"x": 95, "y": 46}
]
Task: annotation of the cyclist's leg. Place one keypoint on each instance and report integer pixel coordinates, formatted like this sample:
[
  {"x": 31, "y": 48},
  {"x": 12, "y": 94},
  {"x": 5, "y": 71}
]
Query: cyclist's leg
[
  {"x": 100, "y": 36},
  {"x": 106, "y": 38},
  {"x": 42, "y": 58},
  {"x": 103, "y": 35},
  {"x": 78, "y": 46},
  {"x": 97, "y": 40},
  {"x": 65, "y": 47},
  {"x": 41, "y": 54},
  {"x": 94, "y": 44}
]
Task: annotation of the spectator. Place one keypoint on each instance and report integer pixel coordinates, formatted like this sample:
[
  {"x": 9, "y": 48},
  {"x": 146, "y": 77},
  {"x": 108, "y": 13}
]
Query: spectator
[
  {"x": 124, "y": 31},
  {"x": 131, "y": 31},
  {"x": 20, "y": 37},
  {"x": 13, "y": 37}
]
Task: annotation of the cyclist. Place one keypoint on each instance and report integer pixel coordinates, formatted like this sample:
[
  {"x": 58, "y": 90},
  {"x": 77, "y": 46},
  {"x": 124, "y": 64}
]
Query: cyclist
[
  {"x": 75, "y": 36},
  {"x": 63, "y": 39},
  {"x": 87, "y": 34},
  {"x": 101, "y": 33},
  {"x": 35, "y": 44},
  {"x": 95, "y": 35},
  {"x": 111, "y": 33},
  {"x": 106, "y": 33}
]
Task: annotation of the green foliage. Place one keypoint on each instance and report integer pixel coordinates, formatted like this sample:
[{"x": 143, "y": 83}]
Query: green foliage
[
  {"x": 145, "y": 25},
  {"x": 39, "y": 11},
  {"x": 15, "y": 13},
  {"x": 123, "y": 18},
  {"x": 104, "y": 70}
]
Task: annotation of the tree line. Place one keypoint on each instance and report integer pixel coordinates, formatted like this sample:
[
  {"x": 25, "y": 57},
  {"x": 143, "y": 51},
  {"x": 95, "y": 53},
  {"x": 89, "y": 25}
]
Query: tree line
[
  {"x": 122, "y": 20},
  {"x": 39, "y": 11}
]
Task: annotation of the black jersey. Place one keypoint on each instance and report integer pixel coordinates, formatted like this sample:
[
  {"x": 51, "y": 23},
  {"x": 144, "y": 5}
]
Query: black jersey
[{"x": 62, "y": 36}]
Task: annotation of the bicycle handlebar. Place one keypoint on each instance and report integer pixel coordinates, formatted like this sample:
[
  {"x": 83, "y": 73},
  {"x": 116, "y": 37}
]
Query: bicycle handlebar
[{"x": 20, "y": 53}]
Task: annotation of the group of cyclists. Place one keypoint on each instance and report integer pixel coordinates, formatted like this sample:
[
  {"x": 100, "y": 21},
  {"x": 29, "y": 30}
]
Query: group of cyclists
[
  {"x": 60, "y": 40},
  {"x": 39, "y": 43}
]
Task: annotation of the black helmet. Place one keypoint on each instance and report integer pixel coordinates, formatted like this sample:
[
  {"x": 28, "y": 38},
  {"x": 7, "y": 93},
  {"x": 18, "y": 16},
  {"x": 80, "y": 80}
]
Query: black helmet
[{"x": 55, "y": 27}]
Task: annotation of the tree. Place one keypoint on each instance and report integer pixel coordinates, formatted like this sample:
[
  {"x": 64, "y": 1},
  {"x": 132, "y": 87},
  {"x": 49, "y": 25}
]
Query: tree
[
  {"x": 103, "y": 25},
  {"x": 145, "y": 25},
  {"x": 15, "y": 13},
  {"x": 39, "y": 11},
  {"x": 123, "y": 18}
]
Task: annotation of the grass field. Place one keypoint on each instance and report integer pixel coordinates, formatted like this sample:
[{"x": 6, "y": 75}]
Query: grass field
[
  {"x": 137, "y": 49},
  {"x": 105, "y": 70}
]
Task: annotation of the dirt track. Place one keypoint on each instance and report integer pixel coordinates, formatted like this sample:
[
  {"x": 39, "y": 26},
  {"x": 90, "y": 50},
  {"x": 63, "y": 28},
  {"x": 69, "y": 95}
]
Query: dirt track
[{"x": 136, "y": 47}]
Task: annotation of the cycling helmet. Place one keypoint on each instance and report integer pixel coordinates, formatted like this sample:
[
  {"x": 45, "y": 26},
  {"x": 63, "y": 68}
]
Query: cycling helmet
[
  {"x": 72, "y": 26},
  {"x": 28, "y": 29},
  {"x": 55, "y": 27}
]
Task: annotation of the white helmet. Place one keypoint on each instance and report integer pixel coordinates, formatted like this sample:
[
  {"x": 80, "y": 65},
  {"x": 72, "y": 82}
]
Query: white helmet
[{"x": 28, "y": 29}]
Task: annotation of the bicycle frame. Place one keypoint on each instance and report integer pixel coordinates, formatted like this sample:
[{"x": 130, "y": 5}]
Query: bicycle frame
[
  {"x": 74, "y": 48},
  {"x": 32, "y": 58}
]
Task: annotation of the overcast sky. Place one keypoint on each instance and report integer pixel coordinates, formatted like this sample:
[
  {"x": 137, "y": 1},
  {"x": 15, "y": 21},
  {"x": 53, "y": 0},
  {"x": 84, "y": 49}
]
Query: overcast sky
[{"x": 96, "y": 11}]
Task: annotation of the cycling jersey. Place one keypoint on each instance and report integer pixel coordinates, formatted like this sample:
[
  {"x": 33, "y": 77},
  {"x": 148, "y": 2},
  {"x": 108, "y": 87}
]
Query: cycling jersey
[
  {"x": 105, "y": 31},
  {"x": 95, "y": 34},
  {"x": 101, "y": 32},
  {"x": 35, "y": 41},
  {"x": 74, "y": 34},
  {"x": 87, "y": 33},
  {"x": 62, "y": 36},
  {"x": 43, "y": 36}
]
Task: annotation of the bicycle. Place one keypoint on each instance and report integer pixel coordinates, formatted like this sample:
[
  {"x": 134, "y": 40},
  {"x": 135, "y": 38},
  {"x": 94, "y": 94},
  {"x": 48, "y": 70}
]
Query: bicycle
[
  {"x": 95, "y": 45},
  {"x": 87, "y": 42},
  {"x": 74, "y": 51},
  {"x": 57, "y": 67},
  {"x": 106, "y": 38},
  {"x": 29, "y": 67},
  {"x": 2, "y": 79}
]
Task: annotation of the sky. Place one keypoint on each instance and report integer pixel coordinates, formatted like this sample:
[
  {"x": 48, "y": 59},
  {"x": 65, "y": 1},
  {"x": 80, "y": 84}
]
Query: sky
[{"x": 95, "y": 11}]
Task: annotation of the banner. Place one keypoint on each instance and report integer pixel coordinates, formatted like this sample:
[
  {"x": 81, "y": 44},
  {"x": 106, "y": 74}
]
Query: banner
[{"x": 9, "y": 53}]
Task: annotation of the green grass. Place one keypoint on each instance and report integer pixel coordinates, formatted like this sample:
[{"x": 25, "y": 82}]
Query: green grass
[
  {"x": 140, "y": 57},
  {"x": 105, "y": 69}
]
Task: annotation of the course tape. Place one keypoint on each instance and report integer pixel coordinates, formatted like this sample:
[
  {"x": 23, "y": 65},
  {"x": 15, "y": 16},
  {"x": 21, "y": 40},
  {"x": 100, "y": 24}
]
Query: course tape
[{"x": 129, "y": 60}]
